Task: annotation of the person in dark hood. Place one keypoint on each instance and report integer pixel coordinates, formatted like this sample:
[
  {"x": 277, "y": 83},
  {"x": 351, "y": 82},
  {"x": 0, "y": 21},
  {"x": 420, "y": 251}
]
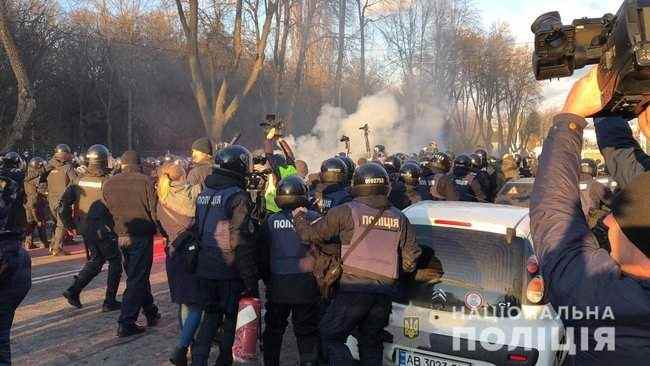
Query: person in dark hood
[
  {"x": 227, "y": 267},
  {"x": 61, "y": 174},
  {"x": 202, "y": 151},
  {"x": 333, "y": 187},
  {"x": 477, "y": 166},
  {"x": 377, "y": 245},
  {"x": 36, "y": 203},
  {"x": 15, "y": 265}
]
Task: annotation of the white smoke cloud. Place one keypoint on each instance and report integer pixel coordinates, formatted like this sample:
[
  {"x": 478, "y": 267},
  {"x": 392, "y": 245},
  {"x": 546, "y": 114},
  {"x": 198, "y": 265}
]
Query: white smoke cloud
[{"x": 388, "y": 126}]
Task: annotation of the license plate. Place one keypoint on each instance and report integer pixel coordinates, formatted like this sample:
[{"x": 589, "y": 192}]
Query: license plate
[{"x": 410, "y": 358}]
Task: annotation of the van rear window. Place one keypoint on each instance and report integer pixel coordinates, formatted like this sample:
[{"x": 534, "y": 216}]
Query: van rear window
[{"x": 464, "y": 269}]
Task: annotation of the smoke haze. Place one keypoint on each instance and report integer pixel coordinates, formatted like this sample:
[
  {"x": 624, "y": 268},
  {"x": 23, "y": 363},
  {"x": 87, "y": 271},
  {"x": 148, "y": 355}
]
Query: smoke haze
[{"x": 388, "y": 126}]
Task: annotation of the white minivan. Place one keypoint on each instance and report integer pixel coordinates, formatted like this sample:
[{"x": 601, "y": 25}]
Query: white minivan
[{"x": 478, "y": 298}]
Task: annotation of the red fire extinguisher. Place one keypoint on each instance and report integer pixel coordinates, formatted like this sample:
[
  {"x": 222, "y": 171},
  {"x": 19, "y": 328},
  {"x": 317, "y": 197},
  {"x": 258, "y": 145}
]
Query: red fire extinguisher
[{"x": 247, "y": 330}]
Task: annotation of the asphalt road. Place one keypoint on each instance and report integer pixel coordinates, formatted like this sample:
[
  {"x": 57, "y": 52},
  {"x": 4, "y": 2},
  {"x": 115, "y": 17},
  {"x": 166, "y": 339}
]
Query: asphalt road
[{"x": 48, "y": 331}]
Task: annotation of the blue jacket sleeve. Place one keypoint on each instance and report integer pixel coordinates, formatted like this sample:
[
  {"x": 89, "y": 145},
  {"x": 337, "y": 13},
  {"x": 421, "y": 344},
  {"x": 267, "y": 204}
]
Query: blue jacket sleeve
[
  {"x": 576, "y": 271},
  {"x": 623, "y": 156}
]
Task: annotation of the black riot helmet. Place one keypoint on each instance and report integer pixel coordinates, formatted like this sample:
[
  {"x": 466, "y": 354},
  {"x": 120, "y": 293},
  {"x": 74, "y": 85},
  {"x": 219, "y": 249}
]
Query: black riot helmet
[
  {"x": 475, "y": 162},
  {"x": 350, "y": 165},
  {"x": 62, "y": 151},
  {"x": 37, "y": 162},
  {"x": 291, "y": 193},
  {"x": 333, "y": 170},
  {"x": 483, "y": 155},
  {"x": 441, "y": 162},
  {"x": 11, "y": 160},
  {"x": 97, "y": 157},
  {"x": 518, "y": 160},
  {"x": 234, "y": 161},
  {"x": 8, "y": 200},
  {"x": 589, "y": 167},
  {"x": 370, "y": 180},
  {"x": 462, "y": 161},
  {"x": 392, "y": 164},
  {"x": 425, "y": 166},
  {"x": 411, "y": 173}
]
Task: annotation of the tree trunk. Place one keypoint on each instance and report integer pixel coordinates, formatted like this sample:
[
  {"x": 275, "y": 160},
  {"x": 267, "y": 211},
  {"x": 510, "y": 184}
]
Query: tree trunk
[
  {"x": 362, "y": 34},
  {"x": 26, "y": 101},
  {"x": 339, "y": 60},
  {"x": 300, "y": 67}
]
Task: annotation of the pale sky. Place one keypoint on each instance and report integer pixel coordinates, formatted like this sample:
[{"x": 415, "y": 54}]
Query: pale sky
[{"x": 520, "y": 14}]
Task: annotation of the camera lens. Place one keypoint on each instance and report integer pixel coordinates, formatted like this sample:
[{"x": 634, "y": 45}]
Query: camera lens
[{"x": 547, "y": 22}]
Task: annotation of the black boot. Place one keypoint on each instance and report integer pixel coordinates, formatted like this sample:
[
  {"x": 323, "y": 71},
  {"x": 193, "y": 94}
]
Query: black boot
[
  {"x": 179, "y": 357},
  {"x": 72, "y": 295},
  {"x": 153, "y": 316},
  {"x": 127, "y": 330},
  {"x": 111, "y": 305}
]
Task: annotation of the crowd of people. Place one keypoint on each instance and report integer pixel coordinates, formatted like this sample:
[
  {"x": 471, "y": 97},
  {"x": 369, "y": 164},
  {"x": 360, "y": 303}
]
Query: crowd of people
[{"x": 330, "y": 246}]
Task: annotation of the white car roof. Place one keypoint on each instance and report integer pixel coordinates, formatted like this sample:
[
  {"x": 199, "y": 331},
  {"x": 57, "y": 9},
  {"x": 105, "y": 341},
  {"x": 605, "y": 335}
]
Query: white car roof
[{"x": 481, "y": 216}]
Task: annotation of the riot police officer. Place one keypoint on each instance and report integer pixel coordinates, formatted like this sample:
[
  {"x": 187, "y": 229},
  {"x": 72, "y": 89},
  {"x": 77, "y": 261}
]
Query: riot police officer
[
  {"x": 595, "y": 197},
  {"x": 435, "y": 181},
  {"x": 467, "y": 186},
  {"x": 488, "y": 167},
  {"x": 291, "y": 285},
  {"x": 36, "y": 203},
  {"x": 378, "y": 243},
  {"x": 409, "y": 174},
  {"x": 83, "y": 209},
  {"x": 15, "y": 265},
  {"x": 332, "y": 190},
  {"x": 61, "y": 175},
  {"x": 226, "y": 266},
  {"x": 477, "y": 166}
]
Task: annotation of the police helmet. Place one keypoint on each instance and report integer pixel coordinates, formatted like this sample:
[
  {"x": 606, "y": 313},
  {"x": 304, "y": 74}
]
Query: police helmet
[
  {"x": 235, "y": 161},
  {"x": 475, "y": 162},
  {"x": 291, "y": 193},
  {"x": 333, "y": 170},
  {"x": 589, "y": 167},
  {"x": 37, "y": 162},
  {"x": 482, "y": 153},
  {"x": 462, "y": 161},
  {"x": 380, "y": 149},
  {"x": 518, "y": 160},
  {"x": 369, "y": 180},
  {"x": 441, "y": 162},
  {"x": 62, "y": 151},
  {"x": 350, "y": 165},
  {"x": 392, "y": 164},
  {"x": 97, "y": 156},
  {"x": 425, "y": 166},
  {"x": 411, "y": 173}
]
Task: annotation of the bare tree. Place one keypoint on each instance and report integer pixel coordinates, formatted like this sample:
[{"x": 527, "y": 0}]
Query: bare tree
[
  {"x": 26, "y": 101},
  {"x": 217, "y": 111}
]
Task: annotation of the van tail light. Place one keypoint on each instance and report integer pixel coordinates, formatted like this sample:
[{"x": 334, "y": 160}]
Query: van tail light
[
  {"x": 532, "y": 266},
  {"x": 517, "y": 358},
  {"x": 535, "y": 290}
]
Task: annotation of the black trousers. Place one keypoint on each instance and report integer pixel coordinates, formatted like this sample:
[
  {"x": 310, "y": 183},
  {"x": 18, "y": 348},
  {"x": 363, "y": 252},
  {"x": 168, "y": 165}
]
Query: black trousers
[
  {"x": 347, "y": 311},
  {"x": 100, "y": 253},
  {"x": 220, "y": 306},
  {"x": 138, "y": 259},
  {"x": 304, "y": 318}
]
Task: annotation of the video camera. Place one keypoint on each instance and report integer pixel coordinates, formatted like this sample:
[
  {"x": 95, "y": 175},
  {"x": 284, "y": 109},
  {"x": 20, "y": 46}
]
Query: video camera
[
  {"x": 270, "y": 122},
  {"x": 620, "y": 45}
]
